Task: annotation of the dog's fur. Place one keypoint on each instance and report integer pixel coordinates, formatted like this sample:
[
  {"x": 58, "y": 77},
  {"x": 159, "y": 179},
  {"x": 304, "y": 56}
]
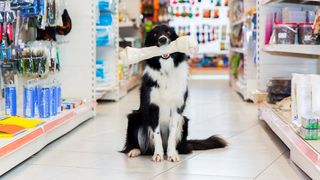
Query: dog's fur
[{"x": 159, "y": 126}]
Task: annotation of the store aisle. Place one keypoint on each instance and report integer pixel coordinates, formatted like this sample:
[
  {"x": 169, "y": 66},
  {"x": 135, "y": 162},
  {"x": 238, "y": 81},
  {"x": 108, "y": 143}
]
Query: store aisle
[{"x": 90, "y": 151}]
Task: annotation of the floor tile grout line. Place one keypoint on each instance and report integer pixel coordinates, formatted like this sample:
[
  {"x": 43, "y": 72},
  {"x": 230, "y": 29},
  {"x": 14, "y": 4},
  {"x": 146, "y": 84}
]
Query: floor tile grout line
[
  {"x": 181, "y": 162},
  {"x": 243, "y": 131},
  {"x": 267, "y": 167}
]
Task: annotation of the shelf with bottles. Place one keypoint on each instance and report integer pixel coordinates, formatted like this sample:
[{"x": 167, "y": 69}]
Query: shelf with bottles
[{"x": 38, "y": 70}]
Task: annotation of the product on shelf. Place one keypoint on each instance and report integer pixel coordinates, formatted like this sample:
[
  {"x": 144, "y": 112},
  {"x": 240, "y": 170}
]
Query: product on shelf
[
  {"x": 217, "y": 61},
  {"x": 278, "y": 89},
  {"x": 9, "y": 131},
  {"x": 305, "y": 33},
  {"x": 310, "y": 122},
  {"x": 10, "y": 96},
  {"x": 294, "y": 26},
  {"x": 285, "y": 33},
  {"x": 102, "y": 36},
  {"x": 100, "y": 70},
  {"x": 310, "y": 134},
  {"x": 71, "y": 103},
  {"x": 20, "y": 121}
]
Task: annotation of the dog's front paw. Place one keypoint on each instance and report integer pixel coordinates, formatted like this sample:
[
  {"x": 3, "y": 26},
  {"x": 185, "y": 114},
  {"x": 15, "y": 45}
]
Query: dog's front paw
[
  {"x": 157, "y": 157},
  {"x": 173, "y": 156},
  {"x": 134, "y": 153}
]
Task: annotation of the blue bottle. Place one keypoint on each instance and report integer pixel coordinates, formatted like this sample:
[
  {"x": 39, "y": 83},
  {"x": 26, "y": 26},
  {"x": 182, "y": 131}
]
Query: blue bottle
[
  {"x": 29, "y": 91},
  {"x": 44, "y": 101},
  {"x": 10, "y": 94}
]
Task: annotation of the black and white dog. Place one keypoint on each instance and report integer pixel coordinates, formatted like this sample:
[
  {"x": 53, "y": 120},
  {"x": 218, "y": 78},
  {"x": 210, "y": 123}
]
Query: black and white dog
[{"x": 159, "y": 126}]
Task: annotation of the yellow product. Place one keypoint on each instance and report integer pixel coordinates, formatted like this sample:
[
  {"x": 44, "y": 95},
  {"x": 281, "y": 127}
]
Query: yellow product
[{"x": 23, "y": 122}]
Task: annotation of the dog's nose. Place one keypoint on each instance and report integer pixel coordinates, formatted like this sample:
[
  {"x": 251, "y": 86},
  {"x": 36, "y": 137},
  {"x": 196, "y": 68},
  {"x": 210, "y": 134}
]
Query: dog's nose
[{"x": 163, "y": 40}]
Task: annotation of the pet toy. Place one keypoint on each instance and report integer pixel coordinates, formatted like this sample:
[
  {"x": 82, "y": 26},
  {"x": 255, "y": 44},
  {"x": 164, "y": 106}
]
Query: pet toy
[{"x": 184, "y": 44}]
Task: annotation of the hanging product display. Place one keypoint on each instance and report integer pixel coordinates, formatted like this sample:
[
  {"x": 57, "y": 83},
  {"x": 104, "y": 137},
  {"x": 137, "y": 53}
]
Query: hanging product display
[
  {"x": 205, "y": 20},
  {"x": 22, "y": 58}
]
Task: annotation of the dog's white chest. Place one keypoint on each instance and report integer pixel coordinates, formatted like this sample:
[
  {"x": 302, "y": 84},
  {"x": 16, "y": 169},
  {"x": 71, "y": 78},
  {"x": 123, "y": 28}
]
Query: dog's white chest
[{"x": 172, "y": 83}]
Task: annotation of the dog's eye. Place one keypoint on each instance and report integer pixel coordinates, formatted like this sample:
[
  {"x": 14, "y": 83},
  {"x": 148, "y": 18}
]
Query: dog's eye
[
  {"x": 168, "y": 32},
  {"x": 155, "y": 34}
]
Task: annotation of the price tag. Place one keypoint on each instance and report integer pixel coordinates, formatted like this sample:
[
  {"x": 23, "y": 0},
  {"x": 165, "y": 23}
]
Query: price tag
[{"x": 282, "y": 35}]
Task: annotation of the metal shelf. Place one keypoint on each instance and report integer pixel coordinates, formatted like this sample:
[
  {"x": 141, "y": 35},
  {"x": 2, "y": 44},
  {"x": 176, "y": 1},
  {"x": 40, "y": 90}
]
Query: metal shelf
[
  {"x": 303, "y": 153},
  {"x": 238, "y": 50},
  {"x": 293, "y": 49}
]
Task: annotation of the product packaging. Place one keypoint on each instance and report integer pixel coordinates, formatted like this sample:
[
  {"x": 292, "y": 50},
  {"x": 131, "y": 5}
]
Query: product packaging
[
  {"x": 310, "y": 134},
  {"x": 305, "y": 33},
  {"x": 315, "y": 81},
  {"x": 301, "y": 97},
  {"x": 285, "y": 33},
  {"x": 10, "y": 93},
  {"x": 310, "y": 122},
  {"x": 29, "y": 98}
]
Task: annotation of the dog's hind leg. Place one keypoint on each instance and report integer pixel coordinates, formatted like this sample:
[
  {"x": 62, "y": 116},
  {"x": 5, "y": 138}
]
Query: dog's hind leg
[{"x": 134, "y": 124}]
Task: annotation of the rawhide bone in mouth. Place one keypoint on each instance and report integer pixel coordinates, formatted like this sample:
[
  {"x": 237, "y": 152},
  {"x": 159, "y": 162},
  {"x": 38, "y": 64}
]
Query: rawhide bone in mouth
[{"x": 184, "y": 44}]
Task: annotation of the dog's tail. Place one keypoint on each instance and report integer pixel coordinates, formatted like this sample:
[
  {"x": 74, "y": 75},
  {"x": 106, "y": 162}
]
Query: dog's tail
[{"x": 212, "y": 142}]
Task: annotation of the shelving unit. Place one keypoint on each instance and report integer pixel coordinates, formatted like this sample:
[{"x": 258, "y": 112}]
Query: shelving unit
[
  {"x": 77, "y": 77},
  {"x": 245, "y": 84},
  {"x": 281, "y": 60},
  {"x": 116, "y": 86},
  {"x": 305, "y": 154}
]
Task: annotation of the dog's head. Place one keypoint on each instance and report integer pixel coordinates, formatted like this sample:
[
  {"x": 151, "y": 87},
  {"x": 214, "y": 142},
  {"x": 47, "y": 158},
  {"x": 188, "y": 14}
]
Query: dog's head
[{"x": 159, "y": 36}]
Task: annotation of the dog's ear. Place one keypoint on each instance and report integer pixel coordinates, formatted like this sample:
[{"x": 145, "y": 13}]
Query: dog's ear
[
  {"x": 149, "y": 41},
  {"x": 173, "y": 34}
]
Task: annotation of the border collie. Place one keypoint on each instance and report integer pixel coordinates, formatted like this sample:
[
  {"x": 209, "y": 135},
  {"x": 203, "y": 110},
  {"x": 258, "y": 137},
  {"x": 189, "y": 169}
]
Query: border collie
[{"x": 159, "y": 127}]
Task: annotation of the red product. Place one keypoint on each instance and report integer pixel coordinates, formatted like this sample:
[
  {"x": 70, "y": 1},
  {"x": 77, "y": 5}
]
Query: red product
[
  {"x": 1, "y": 32},
  {"x": 9, "y": 33}
]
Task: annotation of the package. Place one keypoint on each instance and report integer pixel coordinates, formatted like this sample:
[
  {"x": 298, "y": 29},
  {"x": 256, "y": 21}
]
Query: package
[
  {"x": 310, "y": 134},
  {"x": 278, "y": 89},
  {"x": 285, "y": 33},
  {"x": 310, "y": 122},
  {"x": 301, "y": 97},
  {"x": 100, "y": 70},
  {"x": 315, "y": 81},
  {"x": 102, "y": 36},
  {"x": 305, "y": 33}
]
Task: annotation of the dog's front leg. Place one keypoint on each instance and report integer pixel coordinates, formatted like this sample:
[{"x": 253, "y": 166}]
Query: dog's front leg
[
  {"x": 158, "y": 149},
  {"x": 175, "y": 129}
]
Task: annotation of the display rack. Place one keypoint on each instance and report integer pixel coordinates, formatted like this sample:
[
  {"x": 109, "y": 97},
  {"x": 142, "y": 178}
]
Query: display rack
[
  {"x": 306, "y": 154},
  {"x": 77, "y": 77},
  {"x": 118, "y": 79},
  {"x": 245, "y": 82},
  {"x": 281, "y": 60},
  {"x": 194, "y": 22}
]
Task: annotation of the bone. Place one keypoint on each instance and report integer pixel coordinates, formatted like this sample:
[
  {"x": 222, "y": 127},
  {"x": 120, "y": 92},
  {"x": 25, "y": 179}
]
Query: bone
[{"x": 184, "y": 44}]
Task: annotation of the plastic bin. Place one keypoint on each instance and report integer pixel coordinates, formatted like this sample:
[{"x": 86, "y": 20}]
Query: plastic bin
[
  {"x": 285, "y": 33},
  {"x": 305, "y": 33}
]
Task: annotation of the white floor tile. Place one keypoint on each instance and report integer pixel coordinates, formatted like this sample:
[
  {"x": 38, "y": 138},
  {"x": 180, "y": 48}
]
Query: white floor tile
[
  {"x": 283, "y": 169},
  {"x": 34, "y": 172}
]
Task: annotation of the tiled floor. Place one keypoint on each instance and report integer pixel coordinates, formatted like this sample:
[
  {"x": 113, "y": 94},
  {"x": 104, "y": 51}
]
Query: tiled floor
[{"x": 91, "y": 150}]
